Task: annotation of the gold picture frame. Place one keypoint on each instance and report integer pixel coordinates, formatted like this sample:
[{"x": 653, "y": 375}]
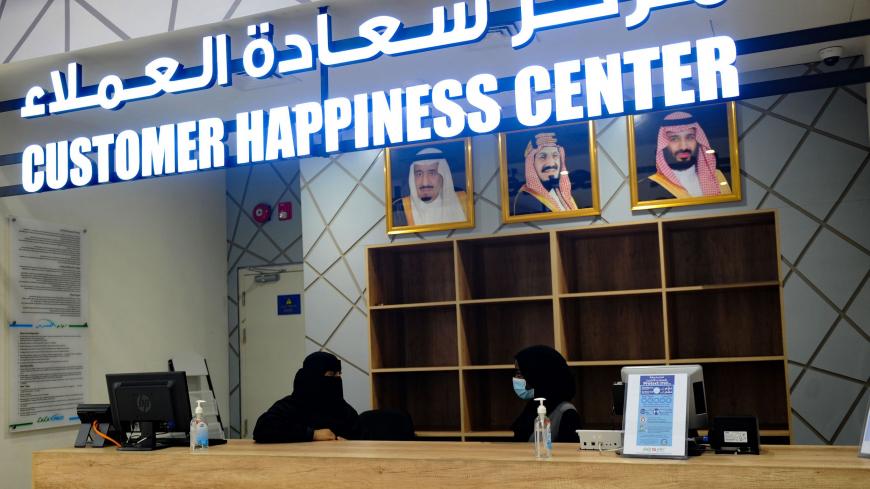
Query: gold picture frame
[
  {"x": 511, "y": 155},
  {"x": 401, "y": 220},
  {"x": 704, "y": 114}
]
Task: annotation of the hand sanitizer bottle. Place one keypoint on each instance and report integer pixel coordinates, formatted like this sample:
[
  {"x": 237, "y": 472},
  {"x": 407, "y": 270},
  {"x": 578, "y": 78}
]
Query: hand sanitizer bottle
[
  {"x": 198, "y": 431},
  {"x": 543, "y": 440}
]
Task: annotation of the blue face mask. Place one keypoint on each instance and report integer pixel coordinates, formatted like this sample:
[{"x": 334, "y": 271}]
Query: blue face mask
[{"x": 522, "y": 392}]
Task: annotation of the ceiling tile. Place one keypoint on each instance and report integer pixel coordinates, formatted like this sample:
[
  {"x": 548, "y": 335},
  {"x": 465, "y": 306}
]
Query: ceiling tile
[
  {"x": 819, "y": 172},
  {"x": 136, "y": 19},
  {"x": 859, "y": 311},
  {"x": 760, "y": 158},
  {"x": 620, "y": 208},
  {"x": 846, "y": 117},
  {"x": 200, "y": 12},
  {"x": 358, "y": 162},
  {"x": 835, "y": 267},
  {"x": 325, "y": 309},
  {"x": 323, "y": 254},
  {"x": 803, "y": 106},
  {"x": 339, "y": 276},
  {"x": 48, "y": 35},
  {"x": 824, "y": 400},
  {"x": 262, "y": 246},
  {"x": 351, "y": 340},
  {"x": 807, "y": 319},
  {"x": 801, "y": 435},
  {"x": 330, "y": 190},
  {"x": 356, "y": 218},
  {"x": 851, "y": 433},
  {"x": 312, "y": 223},
  {"x": 288, "y": 169},
  {"x": 615, "y": 142},
  {"x": 846, "y": 352},
  {"x": 264, "y": 186},
  {"x": 609, "y": 180},
  {"x": 745, "y": 118},
  {"x": 356, "y": 256},
  {"x": 237, "y": 181},
  {"x": 374, "y": 179},
  {"x": 357, "y": 388},
  {"x": 850, "y": 217},
  {"x": 793, "y": 372},
  {"x": 794, "y": 226},
  {"x": 16, "y": 19}
]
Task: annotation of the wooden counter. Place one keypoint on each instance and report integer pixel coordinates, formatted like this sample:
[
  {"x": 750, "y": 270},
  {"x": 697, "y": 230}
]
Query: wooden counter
[{"x": 420, "y": 465}]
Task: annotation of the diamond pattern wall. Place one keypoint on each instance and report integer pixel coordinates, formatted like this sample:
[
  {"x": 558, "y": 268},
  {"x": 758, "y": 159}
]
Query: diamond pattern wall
[
  {"x": 33, "y": 28},
  {"x": 804, "y": 154},
  {"x": 250, "y": 244}
]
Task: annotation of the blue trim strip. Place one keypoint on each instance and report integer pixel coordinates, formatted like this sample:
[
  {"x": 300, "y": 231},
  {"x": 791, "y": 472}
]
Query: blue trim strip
[{"x": 16, "y": 325}]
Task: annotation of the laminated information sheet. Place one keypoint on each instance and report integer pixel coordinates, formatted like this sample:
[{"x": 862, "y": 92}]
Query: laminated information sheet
[
  {"x": 48, "y": 330},
  {"x": 49, "y": 376},
  {"x": 655, "y": 416}
]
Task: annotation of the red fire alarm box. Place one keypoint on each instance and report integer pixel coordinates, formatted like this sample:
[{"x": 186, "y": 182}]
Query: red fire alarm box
[{"x": 285, "y": 211}]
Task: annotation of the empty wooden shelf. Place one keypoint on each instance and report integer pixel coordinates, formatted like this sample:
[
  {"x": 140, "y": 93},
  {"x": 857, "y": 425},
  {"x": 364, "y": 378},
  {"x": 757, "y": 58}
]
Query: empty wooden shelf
[
  {"x": 409, "y": 274},
  {"x": 431, "y": 398},
  {"x": 731, "y": 249},
  {"x": 509, "y": 266},
  {"x": 632, "y": 258},
  {"x": 494, "y": 332},
  {"x": 491, "y": 403},
  {"x": 413, "y": 337},
  {"x": 623, "y": 327},
  {"x": 730, "y": 322},
  {"x": 447, "y": 317}
]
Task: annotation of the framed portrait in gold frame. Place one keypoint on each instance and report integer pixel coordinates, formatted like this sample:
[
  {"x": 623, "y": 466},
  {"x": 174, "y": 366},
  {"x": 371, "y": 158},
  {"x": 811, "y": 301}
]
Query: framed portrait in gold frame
[
  {"x": 429, "y": 187},
  {"x": 549, "y": 173},
  {"x": 684, "y": 157}
]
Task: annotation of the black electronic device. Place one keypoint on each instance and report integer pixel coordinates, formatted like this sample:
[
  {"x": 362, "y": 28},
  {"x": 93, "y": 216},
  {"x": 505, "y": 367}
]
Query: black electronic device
[
  {"x": 88, "y": 414},
  {"x": 617, "y": 392},
  {"x": 735, "y": 434},
  {"x": 144, "y": 404}
]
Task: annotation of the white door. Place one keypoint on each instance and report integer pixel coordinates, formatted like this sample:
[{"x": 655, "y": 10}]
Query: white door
[{"x": 272, "y": 337}]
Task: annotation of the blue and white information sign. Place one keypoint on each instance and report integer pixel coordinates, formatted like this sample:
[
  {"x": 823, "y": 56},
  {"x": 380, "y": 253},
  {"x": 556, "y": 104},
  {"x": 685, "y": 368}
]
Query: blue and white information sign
[
  {"x": 655, "y": 416},
  {"x": 290, "y": 304}
]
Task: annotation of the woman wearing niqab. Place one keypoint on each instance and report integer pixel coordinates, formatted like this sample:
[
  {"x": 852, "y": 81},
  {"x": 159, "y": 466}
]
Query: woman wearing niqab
[{"x": 315, "y": 411}]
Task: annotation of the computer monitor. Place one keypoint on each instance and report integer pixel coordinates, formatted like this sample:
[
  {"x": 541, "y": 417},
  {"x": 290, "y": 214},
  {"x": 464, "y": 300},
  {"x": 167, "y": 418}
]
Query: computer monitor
[
  {"x": 147, "y": 404},
  {"x": 697, "y": 409}
]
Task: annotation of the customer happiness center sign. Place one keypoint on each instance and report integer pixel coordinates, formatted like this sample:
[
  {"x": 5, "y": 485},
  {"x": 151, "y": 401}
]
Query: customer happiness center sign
[{"x": 399, "y": 115}]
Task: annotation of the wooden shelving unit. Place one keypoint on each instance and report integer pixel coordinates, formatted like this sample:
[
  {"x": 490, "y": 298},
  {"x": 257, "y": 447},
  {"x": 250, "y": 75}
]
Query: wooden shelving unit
[{"x": 447, "y": 316}]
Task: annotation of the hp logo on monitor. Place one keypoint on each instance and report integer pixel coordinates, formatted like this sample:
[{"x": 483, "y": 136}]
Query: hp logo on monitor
[{"x": 143, "y": 403}]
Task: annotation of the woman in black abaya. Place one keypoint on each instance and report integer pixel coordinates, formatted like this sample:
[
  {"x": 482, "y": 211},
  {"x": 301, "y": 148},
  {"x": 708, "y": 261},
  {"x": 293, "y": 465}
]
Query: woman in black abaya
[
  {"x": 543, "y": 372},
  {"x": 315, "y": 411}
]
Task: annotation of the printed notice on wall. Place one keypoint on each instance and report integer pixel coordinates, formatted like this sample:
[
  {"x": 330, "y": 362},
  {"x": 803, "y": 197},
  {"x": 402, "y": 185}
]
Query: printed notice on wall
[
  {"x": 49, "y": 375},
  {"x": 48, "y": 330},
  {"x": 49, "y": 273}
]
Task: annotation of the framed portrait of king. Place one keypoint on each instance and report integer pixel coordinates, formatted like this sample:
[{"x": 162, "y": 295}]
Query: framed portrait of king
[
  {"x": 549, "y": 173},
  {"x": 429, "y": 187},
  {"x": 684, "y": 157}
]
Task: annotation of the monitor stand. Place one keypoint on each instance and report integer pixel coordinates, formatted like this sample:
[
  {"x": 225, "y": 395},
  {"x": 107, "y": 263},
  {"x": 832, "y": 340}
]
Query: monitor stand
[{"x": 147, "y": 440}]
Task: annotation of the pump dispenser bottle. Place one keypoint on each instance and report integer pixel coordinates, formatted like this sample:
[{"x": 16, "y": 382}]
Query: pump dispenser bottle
[
  {"x": 198, "y": 430},
  {"x": 543, "y": 439}
]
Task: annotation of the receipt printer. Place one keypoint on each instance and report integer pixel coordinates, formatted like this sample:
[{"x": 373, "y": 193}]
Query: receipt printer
[{"x": 735, "y": 434}]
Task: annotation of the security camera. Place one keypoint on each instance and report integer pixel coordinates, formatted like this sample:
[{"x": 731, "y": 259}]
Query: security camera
[{"x": 831, "y": 55}]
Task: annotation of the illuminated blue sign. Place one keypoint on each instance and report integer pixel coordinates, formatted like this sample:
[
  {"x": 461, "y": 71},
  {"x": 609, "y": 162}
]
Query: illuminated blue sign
[{"x": 398, "y": 115}]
